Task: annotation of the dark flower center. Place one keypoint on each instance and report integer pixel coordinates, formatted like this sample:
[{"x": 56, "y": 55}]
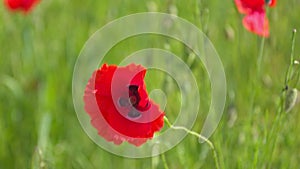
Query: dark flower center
[
  {"x": 134, "y": 99},
  {"x": 134, "y": 96},
  {"x": 123, "y": 102},
  {"x": 134, "y": 114},
  {"x": 268, "y": 1}
]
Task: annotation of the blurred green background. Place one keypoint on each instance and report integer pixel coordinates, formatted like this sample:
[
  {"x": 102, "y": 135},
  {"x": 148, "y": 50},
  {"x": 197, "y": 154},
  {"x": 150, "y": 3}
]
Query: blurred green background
[{"x": 39, "y": 127}]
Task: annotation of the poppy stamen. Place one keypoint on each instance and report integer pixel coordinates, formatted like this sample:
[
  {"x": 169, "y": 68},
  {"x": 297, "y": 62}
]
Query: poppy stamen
[
  {"x": 133, "y": 100},
  {"x": 123, "y": 102},
  {"x": 134, "y": 114},
  {"x": 134, "y": 96}
]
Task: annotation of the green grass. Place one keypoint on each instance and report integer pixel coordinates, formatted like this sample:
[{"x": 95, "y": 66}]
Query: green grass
[{"x": 38, "y": 124}]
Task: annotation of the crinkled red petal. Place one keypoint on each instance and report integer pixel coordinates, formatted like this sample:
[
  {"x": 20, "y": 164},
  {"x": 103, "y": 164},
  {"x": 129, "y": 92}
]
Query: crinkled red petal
[
  {"x": 109, "y": 119},
  {"x": 257, "y": 22},
  {"x": 24, "y": 5},
  {"x": 247, "y": 6}
]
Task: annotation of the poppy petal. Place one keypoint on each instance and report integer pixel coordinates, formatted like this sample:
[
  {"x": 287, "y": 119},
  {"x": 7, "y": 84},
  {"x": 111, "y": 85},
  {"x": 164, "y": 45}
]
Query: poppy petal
[
  {"x": 247, "y": 6},
  {"x": 115, "y": 121},
  {"x": 257, "y": 22},
  {"x": 272, "y": 3},
  {"x": 13, "y": 4},
  {"x": 241, "y": 7},
  {"x": 23, "y": 5}
]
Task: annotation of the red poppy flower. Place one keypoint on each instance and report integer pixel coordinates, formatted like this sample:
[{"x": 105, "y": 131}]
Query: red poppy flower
[
  {"x": 255, "y": 20},
  {"x": 119, "y": 107},
  {"x": 24, "y": 5}
]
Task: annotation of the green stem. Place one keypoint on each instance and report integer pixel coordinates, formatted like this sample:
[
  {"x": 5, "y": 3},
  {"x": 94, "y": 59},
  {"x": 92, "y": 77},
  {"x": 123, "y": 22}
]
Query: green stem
[
  {"x": 210, "y": 144},
  {"x": 260, "y": 57},
  {"x": 277, "y": 125},
  {"x": 272, "y": 138},
  {"x": 290, "y": 68},
  {"x": 164, "y": 161}
]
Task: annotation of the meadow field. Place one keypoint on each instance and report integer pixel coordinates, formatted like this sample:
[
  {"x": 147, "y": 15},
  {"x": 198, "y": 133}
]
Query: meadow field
[{"x": 39, "y": 127}]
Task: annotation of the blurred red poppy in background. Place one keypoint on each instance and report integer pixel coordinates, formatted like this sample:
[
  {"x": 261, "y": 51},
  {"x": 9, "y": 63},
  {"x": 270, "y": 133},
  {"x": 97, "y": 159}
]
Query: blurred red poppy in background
[
  {"x": 255, "y": 20},
  {"x": 119, "y": 107},
  {"x": 23, "y": 5}
]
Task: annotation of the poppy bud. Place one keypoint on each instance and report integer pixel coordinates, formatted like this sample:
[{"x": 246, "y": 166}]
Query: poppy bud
[{"x": 290, "y": 100}]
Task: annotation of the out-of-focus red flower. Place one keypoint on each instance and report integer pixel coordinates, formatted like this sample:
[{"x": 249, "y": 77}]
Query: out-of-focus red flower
[
  {"x": 119, "y": 107},
  {"x": 255, "y": 20},
  {"x": 23, "y": 5}
]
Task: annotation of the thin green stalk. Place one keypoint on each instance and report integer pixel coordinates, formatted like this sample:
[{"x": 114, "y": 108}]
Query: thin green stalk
[
  {"x": 290, "y": 68},
  {"x": 254, "y": 92},
  {"x": 210, "y": 144},
  {"x": 272, "y": 138},
  {"x": 277, "y": 125},
  {"x": 164, "y": 161},
  {"x": 274, "y": 141},
  {"x": 260, "y": 57}
]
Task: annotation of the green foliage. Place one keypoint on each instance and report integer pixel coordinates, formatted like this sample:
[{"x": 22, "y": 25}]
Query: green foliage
[{"x": 38, "y": 124}]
